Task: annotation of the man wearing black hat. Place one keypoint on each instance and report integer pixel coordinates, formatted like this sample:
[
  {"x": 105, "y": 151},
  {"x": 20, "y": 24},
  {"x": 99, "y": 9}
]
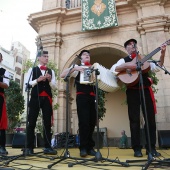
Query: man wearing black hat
[
  {"x": 85, "y": 101},
  {"x": 4, "y": 84},
  {"x": 134, "y": 100},
  {"x": 42, "y": 79}
]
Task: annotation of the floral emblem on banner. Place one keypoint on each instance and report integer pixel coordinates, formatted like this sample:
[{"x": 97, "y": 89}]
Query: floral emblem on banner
[
  {"x": 98, "y": 14},
  {"x": 98, "y": 7}
]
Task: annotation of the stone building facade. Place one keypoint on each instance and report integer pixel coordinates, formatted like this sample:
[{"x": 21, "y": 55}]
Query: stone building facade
[{"x": 148, "y": 21}]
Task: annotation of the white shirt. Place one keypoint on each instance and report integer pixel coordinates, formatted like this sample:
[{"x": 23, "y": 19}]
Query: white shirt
[
  {"x": 34, "y": 82},
  {"x": 153, "y": 67},
  {"x": 5, "y": 80}
]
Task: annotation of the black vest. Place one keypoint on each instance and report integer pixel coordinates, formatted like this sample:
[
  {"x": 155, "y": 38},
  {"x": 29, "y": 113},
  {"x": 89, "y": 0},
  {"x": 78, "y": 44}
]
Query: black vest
[
  {"x": 41, "y": 86},
  {"x": 145, "y": 76},
  {"x": 2, "y": 72},
  {"x": 83, "y": 87}
]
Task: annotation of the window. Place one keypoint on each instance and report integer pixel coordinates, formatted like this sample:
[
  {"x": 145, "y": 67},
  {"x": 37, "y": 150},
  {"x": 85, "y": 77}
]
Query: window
[
  {"x": 18, "y": 70},
  {"x": 17, "y": 80},
  {"x": 19, "y": 59}
]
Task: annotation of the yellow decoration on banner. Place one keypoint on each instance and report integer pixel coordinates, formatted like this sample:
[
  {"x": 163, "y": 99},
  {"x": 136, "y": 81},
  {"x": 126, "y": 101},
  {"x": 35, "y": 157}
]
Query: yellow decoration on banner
[{"x": 98, "y": 7}]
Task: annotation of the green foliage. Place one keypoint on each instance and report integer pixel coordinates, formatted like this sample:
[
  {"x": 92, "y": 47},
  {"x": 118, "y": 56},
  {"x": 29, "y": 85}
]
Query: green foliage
[
  {"x": 101, "y": 104},
  {"x": 15, "y": 104},
  {"x": 155, "y": 80}
]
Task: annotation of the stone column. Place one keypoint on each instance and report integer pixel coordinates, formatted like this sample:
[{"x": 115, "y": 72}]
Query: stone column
[{"x": 153, "y": 35}]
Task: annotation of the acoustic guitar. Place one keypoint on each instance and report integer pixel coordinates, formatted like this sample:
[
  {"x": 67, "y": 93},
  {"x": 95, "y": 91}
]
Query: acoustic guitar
[{"x": 130, "y": 77}]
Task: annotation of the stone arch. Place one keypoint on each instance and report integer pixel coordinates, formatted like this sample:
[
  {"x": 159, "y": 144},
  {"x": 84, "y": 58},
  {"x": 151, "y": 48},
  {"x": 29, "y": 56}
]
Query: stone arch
[
  {"x": 111, "y": 97},
  {"x": 94, "y": 46}
]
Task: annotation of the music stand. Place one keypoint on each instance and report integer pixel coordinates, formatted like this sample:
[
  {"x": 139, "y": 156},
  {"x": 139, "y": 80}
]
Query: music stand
[{"x": 98, "y": 156}]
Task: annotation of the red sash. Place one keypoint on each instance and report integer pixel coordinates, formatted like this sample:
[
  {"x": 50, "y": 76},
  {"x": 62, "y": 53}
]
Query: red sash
[
  {"x": 43, "y": 93},
  {"x": 91, "y": 93},
  {"x": 152, "y": 96},
  {"x": 3, "y": 118}
]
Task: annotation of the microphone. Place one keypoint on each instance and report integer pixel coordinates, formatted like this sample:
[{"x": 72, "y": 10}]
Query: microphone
[{"x": 153, "y": 61}]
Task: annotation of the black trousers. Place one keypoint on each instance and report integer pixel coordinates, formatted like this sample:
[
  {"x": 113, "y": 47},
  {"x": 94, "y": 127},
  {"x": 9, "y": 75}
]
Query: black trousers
[
  {"x": 2, "y": 138},
  {"x": 2, "y": 131},
  {"x": 134, "y": 97},
  {"x": 34, "y": 107},
  {"x": 87, "y": 119}
]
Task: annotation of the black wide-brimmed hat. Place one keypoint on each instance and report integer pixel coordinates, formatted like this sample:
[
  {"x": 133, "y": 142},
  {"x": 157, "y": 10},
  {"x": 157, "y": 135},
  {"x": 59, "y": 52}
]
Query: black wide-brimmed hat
[
  {"x": 41, "y": 53},
  {"x": 87, "y": 51},
  {"x": 128, "y": 41}
]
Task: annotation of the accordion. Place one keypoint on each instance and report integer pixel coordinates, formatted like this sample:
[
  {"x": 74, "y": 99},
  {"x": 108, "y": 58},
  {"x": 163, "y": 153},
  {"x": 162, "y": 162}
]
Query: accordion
[{"x": 106, "y": 80}]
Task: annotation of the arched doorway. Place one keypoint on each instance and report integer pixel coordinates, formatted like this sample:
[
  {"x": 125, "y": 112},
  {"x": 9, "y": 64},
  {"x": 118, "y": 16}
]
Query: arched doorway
[{"x": 116, "y": 117}]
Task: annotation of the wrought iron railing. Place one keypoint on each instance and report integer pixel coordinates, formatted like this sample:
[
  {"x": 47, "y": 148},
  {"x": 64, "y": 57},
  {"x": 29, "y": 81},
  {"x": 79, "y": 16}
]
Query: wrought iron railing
[
  {"x": 69, "y": 4},
  {"x": 75, "y": 3},
  {"x": 72, "y": 3}
]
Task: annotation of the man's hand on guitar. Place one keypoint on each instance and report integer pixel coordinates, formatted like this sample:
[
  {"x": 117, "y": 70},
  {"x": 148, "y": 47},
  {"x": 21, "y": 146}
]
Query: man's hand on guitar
[
  {"x": 123, "y": 67},
  {"x": 163, "y": 49},
  {"x": 130, "y": 66}
]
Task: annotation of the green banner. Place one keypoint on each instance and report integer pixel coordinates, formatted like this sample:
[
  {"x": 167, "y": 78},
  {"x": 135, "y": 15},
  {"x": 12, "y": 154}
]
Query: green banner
[{"x": 98, "y": 14}]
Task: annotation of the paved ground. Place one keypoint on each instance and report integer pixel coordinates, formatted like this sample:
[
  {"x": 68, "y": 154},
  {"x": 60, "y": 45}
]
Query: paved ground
[{"x": 118, "y": 159}]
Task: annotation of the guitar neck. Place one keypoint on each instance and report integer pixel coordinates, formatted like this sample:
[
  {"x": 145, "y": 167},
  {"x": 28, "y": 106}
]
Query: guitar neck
[{"x": 150, "y": 55}]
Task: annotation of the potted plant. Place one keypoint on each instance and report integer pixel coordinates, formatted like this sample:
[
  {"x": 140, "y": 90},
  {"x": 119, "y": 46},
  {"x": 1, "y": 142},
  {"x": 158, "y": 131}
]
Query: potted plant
[{"x": 15, "y": 107}]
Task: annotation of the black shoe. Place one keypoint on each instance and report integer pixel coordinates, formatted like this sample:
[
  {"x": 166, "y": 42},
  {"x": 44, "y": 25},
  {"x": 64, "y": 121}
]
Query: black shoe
[
  {"x": 83, "y": 153},
  {"x": 138, "y": 153},
  {"x": 28, "y": 151},
  {"x": 91, "y": 152},
  {"x": 50, "y": 151},
  {"x": 154, "y": 153},
  {"x": 3, "y": 151}
]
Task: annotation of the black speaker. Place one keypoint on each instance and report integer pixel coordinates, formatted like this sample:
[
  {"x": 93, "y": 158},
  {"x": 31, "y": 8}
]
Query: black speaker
[
  {"x": 19, "y": 140},
  {"x": 164, "y": 138},
  {"x": 61, "y": 140}
]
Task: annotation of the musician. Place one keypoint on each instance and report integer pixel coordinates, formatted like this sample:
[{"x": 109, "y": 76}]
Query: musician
[
  {"x": 134, "y": 99},
  {"x": 42, "y": 80},
  {"x": 85, "y": 101},
  {"x": 4, "y": 84}
]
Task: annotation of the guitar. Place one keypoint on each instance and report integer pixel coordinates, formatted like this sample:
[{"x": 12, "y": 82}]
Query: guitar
[{"x": 129, "y": 77}]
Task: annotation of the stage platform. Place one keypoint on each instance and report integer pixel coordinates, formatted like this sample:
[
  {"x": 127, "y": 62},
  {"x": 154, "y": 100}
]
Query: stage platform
[{"x": 117, "y": 156}]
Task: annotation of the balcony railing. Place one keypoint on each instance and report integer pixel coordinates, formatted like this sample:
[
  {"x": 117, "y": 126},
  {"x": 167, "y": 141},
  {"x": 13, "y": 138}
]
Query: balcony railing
[
  {"x": 72, "y": 3},
  {"x": 69, "y": 4}
]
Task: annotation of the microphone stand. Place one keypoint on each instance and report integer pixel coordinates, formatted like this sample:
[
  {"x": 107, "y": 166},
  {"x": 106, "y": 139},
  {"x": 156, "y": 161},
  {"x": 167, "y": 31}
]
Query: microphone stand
[
  {"x": 98, "y": 156},
  {"x": 150, "y": 158},
  {"x": 163, "y": 68},
  {"x": 67, "y": 153}
]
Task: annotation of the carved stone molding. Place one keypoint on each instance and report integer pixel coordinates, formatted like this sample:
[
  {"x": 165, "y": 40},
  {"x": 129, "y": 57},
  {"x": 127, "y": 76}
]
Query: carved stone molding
[
  {"x": 153, "y": 23},
  {"x": 52, "y": 39},
  {"x": 146, "y": 2}
]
